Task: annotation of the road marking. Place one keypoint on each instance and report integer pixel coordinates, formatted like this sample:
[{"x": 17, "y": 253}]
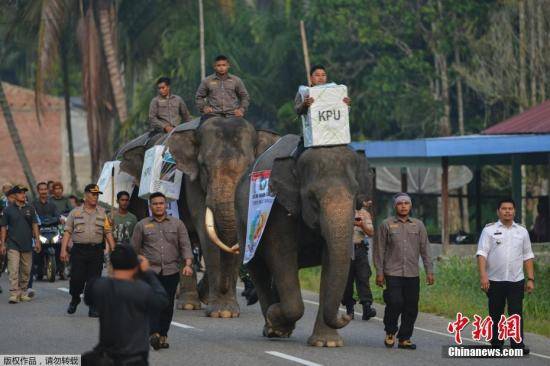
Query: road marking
[
  {"x": 184, "y": 326},
  {"x": 176, "y": 324},
  {"x": 292, "y": 358},
  {"x": 429, "y": 330}
]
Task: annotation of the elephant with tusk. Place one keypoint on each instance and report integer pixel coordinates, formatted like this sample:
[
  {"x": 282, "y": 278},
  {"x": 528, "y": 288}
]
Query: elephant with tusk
[
  {"x": 311, "y": 223},
  {"x": 213, "y": 155}
]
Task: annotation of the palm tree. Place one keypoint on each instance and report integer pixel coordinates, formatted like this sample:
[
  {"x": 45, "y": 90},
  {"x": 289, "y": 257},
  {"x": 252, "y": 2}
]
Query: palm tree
[
  {"x": 95, "y": 23},
  {"x": 16, "y": 140}
]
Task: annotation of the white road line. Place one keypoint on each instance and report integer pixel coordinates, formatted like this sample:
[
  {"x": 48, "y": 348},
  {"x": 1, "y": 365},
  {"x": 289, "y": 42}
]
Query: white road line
[
  {"x": 176, "y": 324},
  {"x": 292, "y": 358},
  {"x": 430, "y": 331},
  {"x": 184, "y": 326}
]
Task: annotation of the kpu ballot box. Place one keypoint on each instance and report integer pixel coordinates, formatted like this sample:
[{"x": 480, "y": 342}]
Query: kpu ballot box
[
  {"x": 122, "y": 182},
  {"x": 327, "y": 120},
  {"x": 159, "y": 174}
]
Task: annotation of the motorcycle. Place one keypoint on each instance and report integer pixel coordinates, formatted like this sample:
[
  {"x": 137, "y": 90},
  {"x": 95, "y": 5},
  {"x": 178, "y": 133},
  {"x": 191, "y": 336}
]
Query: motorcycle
[{"x": 50, "y": 238}]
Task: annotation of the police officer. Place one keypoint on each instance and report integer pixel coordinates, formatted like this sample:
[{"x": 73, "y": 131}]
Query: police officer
[
  {"x": 504, "y": 249},
  {"x": 88, "y": 226},
  {"x": 401, "y": 240}
]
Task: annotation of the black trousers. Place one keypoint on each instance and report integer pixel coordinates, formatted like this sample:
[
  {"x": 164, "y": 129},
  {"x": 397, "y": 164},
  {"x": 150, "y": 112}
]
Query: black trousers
[
  {"x": 86, "y": 264},
  {"x": 501, "y": 293},
  {"x": 401, "y": 297},
  {"x": 160, "y": 323},
  {"x": 359, "y": 272}
]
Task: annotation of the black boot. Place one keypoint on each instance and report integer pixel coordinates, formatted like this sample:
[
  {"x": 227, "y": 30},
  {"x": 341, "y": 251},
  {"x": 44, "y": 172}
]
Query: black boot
[
  {"x": 368, "y": 312},
  {"x": 73, "y": 305},
  {"x": 350, "y": 310},
  {"x": 248, "y": 286},
  {"x": 251, "y": 297}
]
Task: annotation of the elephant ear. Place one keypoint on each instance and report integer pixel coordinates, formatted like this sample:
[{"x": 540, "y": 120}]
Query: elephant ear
[
  {"x": 284, "y": 184},
  {"x": 183, "y": 146},
  {"x": 365, "y": 177},
  {"x": 264, "y": 140}
]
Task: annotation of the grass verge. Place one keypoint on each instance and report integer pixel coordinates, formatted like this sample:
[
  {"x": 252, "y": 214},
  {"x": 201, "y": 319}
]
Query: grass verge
[{"x": 457, "y": 289}]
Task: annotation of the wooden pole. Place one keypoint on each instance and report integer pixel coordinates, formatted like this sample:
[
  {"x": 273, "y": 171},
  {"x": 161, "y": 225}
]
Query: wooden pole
[
  {"x": 305, "y": 49},
  {"x": 113, "y": 194},
  {"x": 516, "y": 185},
  {"x": 404, "y": 180},
  {"x": 201, "y": 36},
  {"x": 445, "y": 204}
]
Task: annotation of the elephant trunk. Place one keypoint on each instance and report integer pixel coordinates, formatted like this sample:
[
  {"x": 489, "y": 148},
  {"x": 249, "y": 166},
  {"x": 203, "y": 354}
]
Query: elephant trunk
[{"x": 336, "y": 221}]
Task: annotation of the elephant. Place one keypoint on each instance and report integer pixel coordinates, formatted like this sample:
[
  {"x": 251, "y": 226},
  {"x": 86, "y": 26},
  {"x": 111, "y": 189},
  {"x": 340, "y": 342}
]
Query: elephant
[
  {"x": 310, "y": 223},
  {"x": 213, "y": 155}
]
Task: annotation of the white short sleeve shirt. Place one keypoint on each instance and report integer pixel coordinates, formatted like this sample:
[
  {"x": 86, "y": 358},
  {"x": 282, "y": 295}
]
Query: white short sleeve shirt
[{"x": 506, "y": 248}]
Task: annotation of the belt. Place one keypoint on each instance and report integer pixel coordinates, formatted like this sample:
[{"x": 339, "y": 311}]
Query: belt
[
  {"x": 88, "y": 245},
  {"x": 358, "y": 244}
]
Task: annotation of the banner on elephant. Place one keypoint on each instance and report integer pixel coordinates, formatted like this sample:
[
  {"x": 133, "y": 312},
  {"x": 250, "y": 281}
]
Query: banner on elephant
[{"x": 259, "y": 206}]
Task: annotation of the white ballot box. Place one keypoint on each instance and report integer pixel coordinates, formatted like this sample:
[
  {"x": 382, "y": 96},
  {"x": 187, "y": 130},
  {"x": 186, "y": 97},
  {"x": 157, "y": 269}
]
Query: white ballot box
[
  {"x": 123, "y": 182},
  {"x": 159, "y": 174},
  {"x": 327, "y": 120}
]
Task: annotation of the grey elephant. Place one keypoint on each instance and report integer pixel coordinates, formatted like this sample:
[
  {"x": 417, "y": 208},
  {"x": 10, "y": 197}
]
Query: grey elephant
[
  {"x": 213, "y": 155},
  {"x": 311, "y": 223}
]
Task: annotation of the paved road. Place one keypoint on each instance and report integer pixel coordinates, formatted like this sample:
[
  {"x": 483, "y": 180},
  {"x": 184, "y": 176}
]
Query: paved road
[{"x": 43, "y": 327}]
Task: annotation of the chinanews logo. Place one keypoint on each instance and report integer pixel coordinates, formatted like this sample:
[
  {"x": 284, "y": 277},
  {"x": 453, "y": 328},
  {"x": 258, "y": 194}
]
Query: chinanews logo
[{"x": 509, "y": 328}]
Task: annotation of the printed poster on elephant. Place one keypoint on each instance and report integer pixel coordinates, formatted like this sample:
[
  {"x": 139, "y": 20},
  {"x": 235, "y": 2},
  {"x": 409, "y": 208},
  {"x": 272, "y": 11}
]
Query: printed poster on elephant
[{"x": 259, "y": 206}]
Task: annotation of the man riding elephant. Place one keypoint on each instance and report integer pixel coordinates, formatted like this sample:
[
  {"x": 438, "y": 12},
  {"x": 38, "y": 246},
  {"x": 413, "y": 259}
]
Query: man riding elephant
[
  {"x": 222, "y": 94},
  {"x": 213, "y": 155},
  {"x": 310, "y": 223}
]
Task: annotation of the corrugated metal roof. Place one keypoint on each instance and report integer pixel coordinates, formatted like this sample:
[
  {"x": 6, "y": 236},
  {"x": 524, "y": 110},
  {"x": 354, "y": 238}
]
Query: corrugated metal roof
[
  {"x": 469, "y": 145},
  {"x": 534, "y": 120}
]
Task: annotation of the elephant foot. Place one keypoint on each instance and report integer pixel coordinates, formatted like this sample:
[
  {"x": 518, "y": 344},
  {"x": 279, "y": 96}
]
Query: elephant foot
[
  {"x": 224, "y": 310},
  {"x": 279, "y": 331},
  {"x": 325, "y": 340},
  {"x": 189, "y": 306}
]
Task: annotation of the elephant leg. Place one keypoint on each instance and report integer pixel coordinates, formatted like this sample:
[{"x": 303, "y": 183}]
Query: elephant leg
[
  {"x": 203, "y": 289},
  {"x": 262, "y": 279},
  {"x": 188, "y": 298},
  {"x": 280, "y": 251},
  {"x": 226, "y": 303},
  {"x": 323, "y": 335}
]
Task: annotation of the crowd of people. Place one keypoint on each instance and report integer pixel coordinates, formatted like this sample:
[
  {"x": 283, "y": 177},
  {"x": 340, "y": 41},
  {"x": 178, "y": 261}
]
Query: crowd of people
[{"x": 135, "y": 303}]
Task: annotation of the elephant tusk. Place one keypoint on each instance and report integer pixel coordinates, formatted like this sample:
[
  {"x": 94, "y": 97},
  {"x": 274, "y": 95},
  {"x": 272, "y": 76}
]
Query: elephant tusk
[{"x": 211, "y": 231}]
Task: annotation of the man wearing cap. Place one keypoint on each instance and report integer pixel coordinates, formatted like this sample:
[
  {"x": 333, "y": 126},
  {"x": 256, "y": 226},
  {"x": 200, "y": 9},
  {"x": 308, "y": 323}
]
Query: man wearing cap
[
  {"x": 18, "y": 226},
  {"x": 401, "y": 240},
  {"x": 88, "y": 227},
  {"x": 125, "y": 303}
]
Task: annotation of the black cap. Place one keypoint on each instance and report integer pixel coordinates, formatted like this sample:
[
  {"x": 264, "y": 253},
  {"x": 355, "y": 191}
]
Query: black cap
[
  {"x": 124, "y": 257},
  {"x": 92, "y": 188},
  {"x": 17, "y": 189}
]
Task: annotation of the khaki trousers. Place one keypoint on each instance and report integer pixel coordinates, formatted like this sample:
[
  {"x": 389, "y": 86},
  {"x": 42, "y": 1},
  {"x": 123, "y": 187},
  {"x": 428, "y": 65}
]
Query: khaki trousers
[{"x": 19, "y": 269}]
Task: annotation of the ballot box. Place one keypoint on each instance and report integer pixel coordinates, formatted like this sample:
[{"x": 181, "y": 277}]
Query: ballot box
[
  {"x": 327, "y": 120},
  {"x": 159, "y": 174},
  {"x": 122, "y": 182}
]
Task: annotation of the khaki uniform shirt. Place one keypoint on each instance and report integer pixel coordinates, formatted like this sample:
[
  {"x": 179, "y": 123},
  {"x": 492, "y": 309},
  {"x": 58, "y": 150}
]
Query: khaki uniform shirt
[
  {"x": 358, "y": 233},
  {"x": 167, "y": 111},
  {"x": 224, "y": 95},
  {"x": 398, "y": 247},
  {"x": 165, "y": 244},
  {"x": 86, "y": 227}
]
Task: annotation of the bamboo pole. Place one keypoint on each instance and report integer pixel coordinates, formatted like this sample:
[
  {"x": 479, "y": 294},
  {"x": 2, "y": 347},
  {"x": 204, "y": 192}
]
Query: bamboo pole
[
  {"x": 201, "y": 39},
  {"x": 305, "y": 49}
]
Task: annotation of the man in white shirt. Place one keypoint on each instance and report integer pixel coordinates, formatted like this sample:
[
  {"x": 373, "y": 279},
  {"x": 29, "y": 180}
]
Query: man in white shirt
[{"x": 504, "y": 249}]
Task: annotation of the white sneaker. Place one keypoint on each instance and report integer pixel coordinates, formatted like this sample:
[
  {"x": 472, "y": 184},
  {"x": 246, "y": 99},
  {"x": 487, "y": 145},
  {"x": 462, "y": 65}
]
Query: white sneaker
[{"x": 30, "y": 293}]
